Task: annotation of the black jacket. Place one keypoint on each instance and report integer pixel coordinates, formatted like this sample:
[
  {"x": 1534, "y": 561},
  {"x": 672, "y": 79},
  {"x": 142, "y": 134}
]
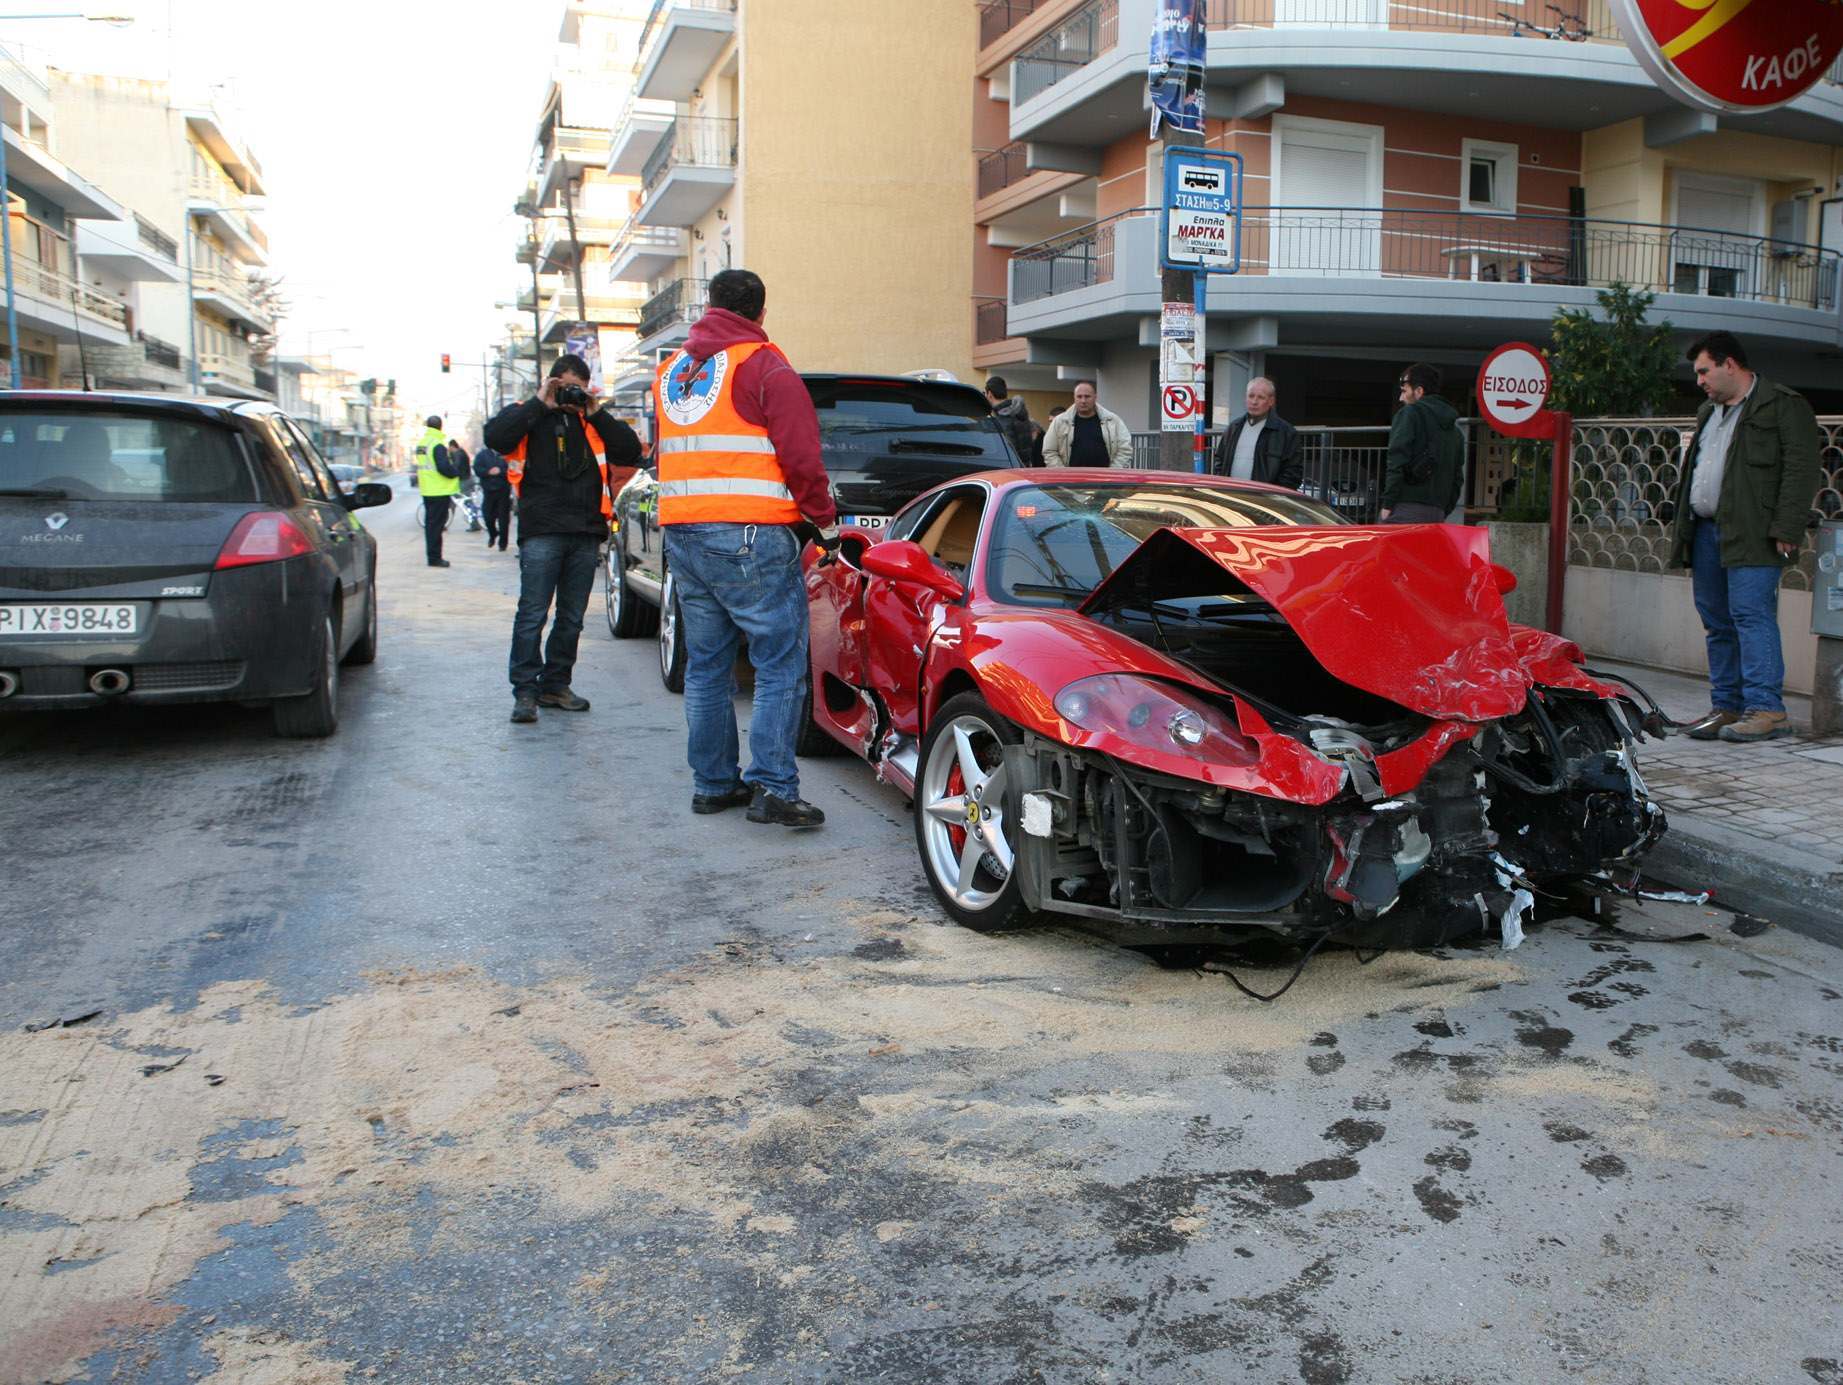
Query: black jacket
[
  {"x": 1013, "y": 417},
  {"x": 449, "y": 463},
  {"x": 1426, "y": 456},
  {"x": 562, "y": 489},
  {"x": 484, "y": 461},
  {"x": 1276, "y": 452}
]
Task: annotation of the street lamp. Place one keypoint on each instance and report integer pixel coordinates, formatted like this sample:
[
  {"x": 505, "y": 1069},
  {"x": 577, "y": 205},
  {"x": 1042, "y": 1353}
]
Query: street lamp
[{"x": 6, "y": 198}]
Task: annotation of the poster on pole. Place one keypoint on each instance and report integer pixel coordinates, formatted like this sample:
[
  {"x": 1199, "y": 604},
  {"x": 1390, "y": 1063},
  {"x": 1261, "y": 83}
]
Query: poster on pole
[
  {"x": 585, "y": 340},
  {"x": 1176, "y": 64}
]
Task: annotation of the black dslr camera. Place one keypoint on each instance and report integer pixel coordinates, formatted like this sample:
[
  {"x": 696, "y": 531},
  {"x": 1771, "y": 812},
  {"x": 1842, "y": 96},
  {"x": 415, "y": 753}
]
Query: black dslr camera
[{"x": 572, "y": 396}]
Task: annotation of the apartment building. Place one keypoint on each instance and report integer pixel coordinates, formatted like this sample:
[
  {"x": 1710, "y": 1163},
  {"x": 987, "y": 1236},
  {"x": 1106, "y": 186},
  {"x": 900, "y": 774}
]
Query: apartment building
[
  {"x": 819, "y": 145},
  {"x": 576, "y": 208},
  {"x": 1423, "y": 181},
  {"x": 77, "y": 253},
  {"x": 181, "y": 167}
]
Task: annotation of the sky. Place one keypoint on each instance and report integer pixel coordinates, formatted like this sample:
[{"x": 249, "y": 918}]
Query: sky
[{"x": 394, "y": 137}]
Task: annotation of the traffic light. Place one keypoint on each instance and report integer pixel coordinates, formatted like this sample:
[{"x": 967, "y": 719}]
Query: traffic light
[{"x": 445, "y": 362}]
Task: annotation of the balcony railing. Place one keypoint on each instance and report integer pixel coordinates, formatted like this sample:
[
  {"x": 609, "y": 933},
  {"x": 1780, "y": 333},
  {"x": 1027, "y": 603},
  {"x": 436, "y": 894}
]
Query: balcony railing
[
  {"x": 583, "y": 144},
  {"x": 1573, "y": 21},
  {"x": 1530, "y": 251},
  {"x": 682, "y": 300},
  {"x": 155, "y": 239},
  {"x": 1001, "y": 168},
  {"x": 1078, "y": 259},
  {"x": 229, "y": 284},
  {"x": 1065, "y": 50},
  {"x": 229, "y": 368},
  {"x": 47, "y": 284},
  {"x": 989, "y": 321},
  {"x": 690, "y": 142},
  {"x": 159, "y": 352},
  {"x": 999, "y": 17}
]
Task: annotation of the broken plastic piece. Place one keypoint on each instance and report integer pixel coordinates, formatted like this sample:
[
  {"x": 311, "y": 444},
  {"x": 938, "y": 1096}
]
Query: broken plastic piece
[
  {"x": 1675, "y": 896},
  {"x": 1521, "y": 902},
  {"x": 1039, "y": 815}
]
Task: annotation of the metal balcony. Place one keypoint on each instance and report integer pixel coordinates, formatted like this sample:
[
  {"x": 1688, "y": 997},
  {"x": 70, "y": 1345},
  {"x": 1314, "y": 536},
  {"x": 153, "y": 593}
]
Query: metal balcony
[
  {"x": 228, "y": 294},
  {"x": 999, "y": 17},
  {"x": 667, "y": 317},
  {"x": 691, "y": 171},
  {"x": 678, "y": 43},
  {"x": 1065, "y": 50},
  {"x": 637, "y": 134},
  {"x": 643, "y": 253}
]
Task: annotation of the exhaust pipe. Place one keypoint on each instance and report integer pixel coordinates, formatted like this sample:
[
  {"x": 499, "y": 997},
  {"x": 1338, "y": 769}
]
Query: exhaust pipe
[
  {"x": 109, "y": 682},
  {"x": 9, "y": 683}
]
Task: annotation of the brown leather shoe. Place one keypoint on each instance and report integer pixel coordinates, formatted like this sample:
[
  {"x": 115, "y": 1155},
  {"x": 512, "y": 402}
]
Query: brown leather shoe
[
  {"x": 1709, "y": 727},
  {"x": 1758, "y": 726}
]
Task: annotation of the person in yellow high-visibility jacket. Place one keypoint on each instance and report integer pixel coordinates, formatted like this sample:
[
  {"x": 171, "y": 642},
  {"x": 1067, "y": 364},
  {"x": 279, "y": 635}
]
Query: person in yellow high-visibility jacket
[
  {"x": 740, "y": 476},
  {"x": 438, "y": 479}
]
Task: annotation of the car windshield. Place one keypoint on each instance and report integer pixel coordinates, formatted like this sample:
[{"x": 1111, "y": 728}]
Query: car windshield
[
  {"x": 67, "y": 454},
  {"x": 1052, "y": 545},
  {"x": 914, "y": 413}
]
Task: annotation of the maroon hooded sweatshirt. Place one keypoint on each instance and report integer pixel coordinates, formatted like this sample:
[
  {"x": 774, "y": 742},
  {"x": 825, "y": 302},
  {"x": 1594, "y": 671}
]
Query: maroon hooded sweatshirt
[{"x": 770, "y": 394}]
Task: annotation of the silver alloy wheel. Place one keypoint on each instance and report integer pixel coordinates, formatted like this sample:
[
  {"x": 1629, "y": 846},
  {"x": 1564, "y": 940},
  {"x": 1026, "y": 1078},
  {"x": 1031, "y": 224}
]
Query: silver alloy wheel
[
  {"x": 668, "y": 627},
  {"x": 973, "y": 874}
]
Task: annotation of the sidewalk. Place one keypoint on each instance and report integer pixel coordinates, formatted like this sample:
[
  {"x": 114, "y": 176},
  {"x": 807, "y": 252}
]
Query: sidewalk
[{"x": 1761, "y": 825}]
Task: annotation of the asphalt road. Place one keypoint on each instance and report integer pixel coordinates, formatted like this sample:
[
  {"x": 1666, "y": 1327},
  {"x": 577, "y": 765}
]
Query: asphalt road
[{"x": 453, "y": 1050}]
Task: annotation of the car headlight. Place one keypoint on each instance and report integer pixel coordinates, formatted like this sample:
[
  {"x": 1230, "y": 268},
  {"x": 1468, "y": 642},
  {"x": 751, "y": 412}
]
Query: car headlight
[{"x": 1158, "y": 716}]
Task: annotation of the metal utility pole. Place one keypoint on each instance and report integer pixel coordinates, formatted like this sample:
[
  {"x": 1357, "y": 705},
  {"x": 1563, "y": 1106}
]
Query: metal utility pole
[
  {"x": 1175, "y": 450},
  {"x": 6, "y": 250},
  {"x": 569, "y": 212}
]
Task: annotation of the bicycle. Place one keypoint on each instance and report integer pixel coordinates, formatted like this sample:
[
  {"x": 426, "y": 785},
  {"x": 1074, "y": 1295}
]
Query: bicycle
[
  {"x": 1568, "y": 28},
  {"x": 469, "y": 505}
]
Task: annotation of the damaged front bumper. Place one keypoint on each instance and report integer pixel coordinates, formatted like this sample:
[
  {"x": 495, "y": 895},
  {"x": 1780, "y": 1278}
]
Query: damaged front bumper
[{"x": 1550, "y": 795}]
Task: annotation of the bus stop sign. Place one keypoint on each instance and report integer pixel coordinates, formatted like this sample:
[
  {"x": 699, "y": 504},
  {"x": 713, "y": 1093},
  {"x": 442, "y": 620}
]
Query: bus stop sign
[{"x": 1201, "y": 223}]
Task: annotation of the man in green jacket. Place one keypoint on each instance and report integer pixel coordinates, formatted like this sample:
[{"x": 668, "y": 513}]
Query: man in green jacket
[
  {"x": 1742, "y": 508},
  {"x": 1426, "y": 453}
]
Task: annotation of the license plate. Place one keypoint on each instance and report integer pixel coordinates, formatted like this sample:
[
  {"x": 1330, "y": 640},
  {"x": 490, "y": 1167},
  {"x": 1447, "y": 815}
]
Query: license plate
[
  {"x": 871, "y": 523},
  {"x": 69, "y": 618}
]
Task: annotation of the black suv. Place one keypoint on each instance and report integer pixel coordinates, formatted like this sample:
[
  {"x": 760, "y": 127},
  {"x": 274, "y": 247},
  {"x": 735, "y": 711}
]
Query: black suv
[
  {"x": 884, "y": 438},
  {"x": 156, "y": 549}
]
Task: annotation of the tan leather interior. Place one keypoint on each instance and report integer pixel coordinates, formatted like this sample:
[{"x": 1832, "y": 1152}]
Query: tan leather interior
[{"x": 950, "y": 538}]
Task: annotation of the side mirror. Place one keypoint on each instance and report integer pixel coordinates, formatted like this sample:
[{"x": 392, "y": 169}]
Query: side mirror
[
  {"x": 1506, "y": 579},
  {"x": 901, "y": 560},
  {"x": 367, "y": 494}
]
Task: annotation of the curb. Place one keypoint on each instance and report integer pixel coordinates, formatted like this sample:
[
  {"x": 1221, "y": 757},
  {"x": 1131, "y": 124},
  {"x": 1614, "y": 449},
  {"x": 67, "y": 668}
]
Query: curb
[{"x": 1775, "y": 880}]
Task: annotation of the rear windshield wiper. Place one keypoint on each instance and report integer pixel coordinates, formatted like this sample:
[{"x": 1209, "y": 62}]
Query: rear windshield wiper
[{"x": 36, "y": 492}]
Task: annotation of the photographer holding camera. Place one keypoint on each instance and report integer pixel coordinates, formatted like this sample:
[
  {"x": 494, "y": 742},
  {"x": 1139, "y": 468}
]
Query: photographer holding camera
[{"x": 565, "y": 459}]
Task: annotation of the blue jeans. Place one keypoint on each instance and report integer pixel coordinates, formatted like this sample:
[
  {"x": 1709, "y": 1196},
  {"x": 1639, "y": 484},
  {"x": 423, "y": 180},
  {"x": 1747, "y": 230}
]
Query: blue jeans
[
  {"x": 560, "y": 566},
  {"x": 735, "y": 582},
  {"x": 1739, "y": 607}
]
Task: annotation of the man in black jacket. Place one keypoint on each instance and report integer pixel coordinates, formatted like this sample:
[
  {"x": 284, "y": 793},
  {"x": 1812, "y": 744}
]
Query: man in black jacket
[
  {"x": 1013, "y": 417},
  {"x": 1260, "y": 445},
  {"x": 565, "y": 480},
  {"x": 495, "y": 496}
]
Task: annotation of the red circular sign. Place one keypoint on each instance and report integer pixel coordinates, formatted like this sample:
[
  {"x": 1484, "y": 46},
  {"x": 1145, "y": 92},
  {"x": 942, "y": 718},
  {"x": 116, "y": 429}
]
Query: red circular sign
[
  {"x": 1513, "y": 388},
  {"x": 1734, "y": 55}
]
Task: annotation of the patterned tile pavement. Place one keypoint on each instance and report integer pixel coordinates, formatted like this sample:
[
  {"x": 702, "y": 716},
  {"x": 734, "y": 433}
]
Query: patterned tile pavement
[{"x": 1788, "y": 792}]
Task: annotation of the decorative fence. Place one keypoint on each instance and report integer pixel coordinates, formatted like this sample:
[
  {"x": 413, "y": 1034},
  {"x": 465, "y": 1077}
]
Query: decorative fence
[
  {"x": 690, "y": 142},
  {"x": 1627, "y": 472}
]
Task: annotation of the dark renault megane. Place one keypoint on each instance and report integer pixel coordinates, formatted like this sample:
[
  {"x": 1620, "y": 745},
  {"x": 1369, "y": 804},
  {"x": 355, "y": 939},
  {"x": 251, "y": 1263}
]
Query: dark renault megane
[{"x": 156, "y": 549}]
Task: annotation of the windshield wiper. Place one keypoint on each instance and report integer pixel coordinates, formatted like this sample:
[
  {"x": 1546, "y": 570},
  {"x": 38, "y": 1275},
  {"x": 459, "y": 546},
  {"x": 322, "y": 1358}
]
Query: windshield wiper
[
  {"x": 1048, "y": 589},
  {"x": 957, "y": 449},
  {"x": 36, "y": 492}
]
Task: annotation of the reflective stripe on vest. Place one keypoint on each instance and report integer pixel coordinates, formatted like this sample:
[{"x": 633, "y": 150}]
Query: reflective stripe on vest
[
  {"x": 429, "y": 481},
  {"x": 715, "y": 466},
  {"x": 515, "y": 467}
]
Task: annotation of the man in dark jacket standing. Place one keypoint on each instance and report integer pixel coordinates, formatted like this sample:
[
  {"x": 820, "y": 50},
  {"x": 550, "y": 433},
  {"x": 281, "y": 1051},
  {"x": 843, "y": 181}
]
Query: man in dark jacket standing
[
  {"x": 1260, "y": 445},
  {"x": 566, "y": 457},
  {"x": 1742, "y": 508},
  {"x": 495, "y": 496},
  {"x": 1013, "y": 417},
  {"x": 1426, "y": 453}
]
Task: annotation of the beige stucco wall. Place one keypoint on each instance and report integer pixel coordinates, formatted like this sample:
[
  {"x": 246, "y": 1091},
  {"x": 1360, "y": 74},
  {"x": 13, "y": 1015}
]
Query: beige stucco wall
[
  {"x": 1627, "y": 181},
  {"x": 857, "y": 187}
]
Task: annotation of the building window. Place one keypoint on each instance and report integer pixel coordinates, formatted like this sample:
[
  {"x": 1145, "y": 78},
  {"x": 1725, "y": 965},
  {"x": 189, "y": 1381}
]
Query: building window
[{"x": 1488, "y": 174}]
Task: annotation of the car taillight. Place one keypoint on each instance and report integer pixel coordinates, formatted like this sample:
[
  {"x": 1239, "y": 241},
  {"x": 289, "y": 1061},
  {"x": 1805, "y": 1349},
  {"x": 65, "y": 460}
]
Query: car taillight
[{"x": 263, "y": 537}]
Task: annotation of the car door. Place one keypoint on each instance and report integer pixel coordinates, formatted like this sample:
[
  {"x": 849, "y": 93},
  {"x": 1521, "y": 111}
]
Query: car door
[
  {"x": 355, "y": 549},
  {"x": 902, "y": 620},
  {"x": 328, "y": 524}
]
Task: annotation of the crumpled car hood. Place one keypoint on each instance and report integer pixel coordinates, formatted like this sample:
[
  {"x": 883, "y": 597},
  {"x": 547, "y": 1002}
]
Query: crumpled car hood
[{"x": 1407, "y": 612}]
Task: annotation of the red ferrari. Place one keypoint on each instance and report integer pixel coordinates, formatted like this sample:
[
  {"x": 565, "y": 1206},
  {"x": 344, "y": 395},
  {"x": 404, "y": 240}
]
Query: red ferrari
[{"x": 1173, "y": 704}]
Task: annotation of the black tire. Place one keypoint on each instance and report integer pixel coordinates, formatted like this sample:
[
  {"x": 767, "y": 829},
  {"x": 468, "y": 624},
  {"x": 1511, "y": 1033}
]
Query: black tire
[
  {"x": 671, "y": 638},
  {"x": 627, "y": 614},
  {"x": 978, "y": 896},
  {"x": 316, "y": 713},
  {"x": 814, "y": 741},
  {"x": 366, "y": 649}
]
